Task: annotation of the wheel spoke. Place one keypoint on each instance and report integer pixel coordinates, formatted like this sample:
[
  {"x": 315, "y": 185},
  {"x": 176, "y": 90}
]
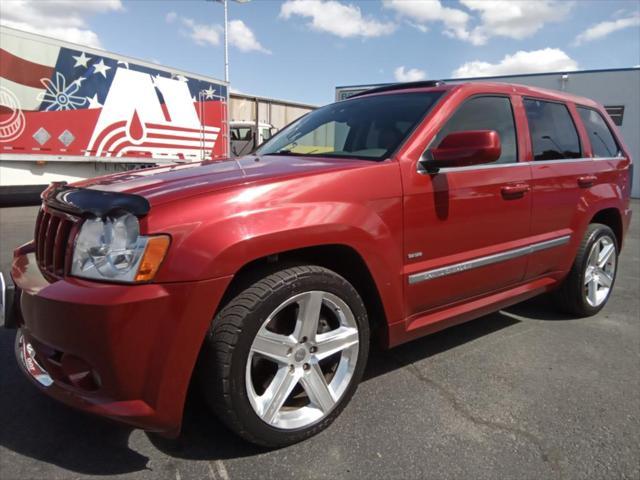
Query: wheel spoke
[
  {"x": 335, "y": 341},
  {"x": 605, "y": 254},
  {"x": 317, "y": 389},
  {"x": 605, "y": 279},
  {"x": 272, "y": 345},
  {"x": 592, "y": 291},
  {"x": 277, "y": 393},
  {"x": 308, "y": 315},
  {"x": 588, "y": 275}
]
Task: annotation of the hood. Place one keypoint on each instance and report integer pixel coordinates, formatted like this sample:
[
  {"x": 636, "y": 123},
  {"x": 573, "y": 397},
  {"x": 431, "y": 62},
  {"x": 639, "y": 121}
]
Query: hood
[{"x": 162, "y": 184}]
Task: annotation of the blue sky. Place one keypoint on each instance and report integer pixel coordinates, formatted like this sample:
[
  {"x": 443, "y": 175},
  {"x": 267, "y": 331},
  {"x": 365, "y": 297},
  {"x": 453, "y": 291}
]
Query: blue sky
[{"x": 300, "y": 50}]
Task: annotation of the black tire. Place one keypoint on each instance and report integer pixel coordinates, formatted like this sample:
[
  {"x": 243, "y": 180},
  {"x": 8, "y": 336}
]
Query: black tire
[
  {"x": 570, "y": 296},
  {"x": 223, "y": 359}
]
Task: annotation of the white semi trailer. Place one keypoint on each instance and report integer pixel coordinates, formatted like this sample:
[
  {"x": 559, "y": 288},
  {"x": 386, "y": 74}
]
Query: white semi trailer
[{"x": 69, "y": 112}]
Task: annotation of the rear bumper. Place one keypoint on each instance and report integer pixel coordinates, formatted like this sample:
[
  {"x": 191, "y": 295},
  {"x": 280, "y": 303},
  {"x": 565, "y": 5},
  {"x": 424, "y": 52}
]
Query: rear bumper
[{"x": 121, "y": 351}]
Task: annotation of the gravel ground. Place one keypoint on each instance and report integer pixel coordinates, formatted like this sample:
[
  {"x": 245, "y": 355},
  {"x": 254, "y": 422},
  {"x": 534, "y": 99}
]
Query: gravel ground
[{"x": 523, "y": 393}]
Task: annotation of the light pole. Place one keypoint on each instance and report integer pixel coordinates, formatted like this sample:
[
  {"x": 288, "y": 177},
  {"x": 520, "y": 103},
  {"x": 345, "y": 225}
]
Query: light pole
[
  {"x": 226, "y": 61},
  {"x": 226, "y": 35},
  {"x": 226, "y": 41}
]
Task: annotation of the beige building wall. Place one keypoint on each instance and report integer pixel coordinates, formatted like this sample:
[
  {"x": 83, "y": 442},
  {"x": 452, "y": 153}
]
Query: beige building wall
[{"x": 278, "y": 113}]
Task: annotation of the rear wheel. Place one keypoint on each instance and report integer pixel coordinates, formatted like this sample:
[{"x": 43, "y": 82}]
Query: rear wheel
[
  {"x": 588, "y": 286},
  {"x": 284, "y": 356}
]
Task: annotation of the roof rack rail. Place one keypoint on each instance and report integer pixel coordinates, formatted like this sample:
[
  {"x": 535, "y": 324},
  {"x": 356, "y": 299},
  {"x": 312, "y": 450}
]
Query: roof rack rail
[{"x": 400, "y": 86}]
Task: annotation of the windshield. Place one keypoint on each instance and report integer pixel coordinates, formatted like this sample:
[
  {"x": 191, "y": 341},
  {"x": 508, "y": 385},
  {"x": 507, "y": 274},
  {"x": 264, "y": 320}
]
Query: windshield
[{"x": 371, "y": 128}]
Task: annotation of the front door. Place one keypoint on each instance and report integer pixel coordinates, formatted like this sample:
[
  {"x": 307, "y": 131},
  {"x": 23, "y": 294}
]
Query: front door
[{"x": 464, "y": 226}]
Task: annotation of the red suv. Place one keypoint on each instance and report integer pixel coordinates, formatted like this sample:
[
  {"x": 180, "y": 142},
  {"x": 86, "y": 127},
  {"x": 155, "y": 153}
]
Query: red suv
[{"x": 390, "y": 215}]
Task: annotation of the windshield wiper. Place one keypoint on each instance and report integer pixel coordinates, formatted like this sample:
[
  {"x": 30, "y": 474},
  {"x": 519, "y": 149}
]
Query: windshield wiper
[
  {"x": 281, "y": 152},
  {"x": 291, "y": 152}
]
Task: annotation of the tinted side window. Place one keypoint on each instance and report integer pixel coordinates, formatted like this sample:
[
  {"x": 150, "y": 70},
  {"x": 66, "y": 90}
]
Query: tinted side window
[
  {"x": 486, "y": 113},
  {"x": 602, "y": 142},
  {"x": 553, "y": 134}
]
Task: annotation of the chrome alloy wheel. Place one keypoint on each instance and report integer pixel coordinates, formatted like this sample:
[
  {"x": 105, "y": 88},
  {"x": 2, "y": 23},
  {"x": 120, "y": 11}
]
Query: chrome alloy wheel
[
  {"x": 302, "y": 360},
  {"x": 600, "y": 271}
]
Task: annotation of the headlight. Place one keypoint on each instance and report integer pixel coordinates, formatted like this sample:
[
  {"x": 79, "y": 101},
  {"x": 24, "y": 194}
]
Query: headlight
[{"x": 112, "y": 248}]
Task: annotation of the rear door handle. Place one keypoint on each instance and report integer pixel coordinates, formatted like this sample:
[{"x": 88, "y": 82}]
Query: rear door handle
[
  {"x": 514, "y": 191},
  {"x": 587, "y": 181}
]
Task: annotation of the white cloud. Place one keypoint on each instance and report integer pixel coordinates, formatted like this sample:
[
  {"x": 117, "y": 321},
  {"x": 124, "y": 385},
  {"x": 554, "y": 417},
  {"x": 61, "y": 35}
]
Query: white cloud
[
  {"x": 171, "y": 17},
  {"x": 200, "y": 33},
  {"x": 535, "y": 61},
  {"x": 61, "y": 19},
  {"x": 243, "y": 38},
  {"x": 602, "y": 29},
  {"x": 411, "y": 75},
  {"x": 240, "y": 35},
  {"x": 340, "y": 19},
  {"x": 419, "y": 12},
  {"x": 503, "y": 18},
  {"x": 518, "y": 20},
  {"x": 418, "y": 26}
]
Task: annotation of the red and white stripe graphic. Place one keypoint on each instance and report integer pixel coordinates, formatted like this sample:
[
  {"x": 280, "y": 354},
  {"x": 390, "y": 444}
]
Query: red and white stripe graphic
[
  {"x": 22, "y": 66},
  {"x": 160, "y": 140}
]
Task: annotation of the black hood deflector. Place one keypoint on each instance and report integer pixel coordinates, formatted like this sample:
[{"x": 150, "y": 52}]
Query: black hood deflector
[{"x": 82, "y": 201}]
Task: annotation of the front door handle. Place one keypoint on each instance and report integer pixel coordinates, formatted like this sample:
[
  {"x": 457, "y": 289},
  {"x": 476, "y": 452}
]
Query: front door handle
[
  {"x": 587, "y": 181},
  {"x": 515, "y": 191}
]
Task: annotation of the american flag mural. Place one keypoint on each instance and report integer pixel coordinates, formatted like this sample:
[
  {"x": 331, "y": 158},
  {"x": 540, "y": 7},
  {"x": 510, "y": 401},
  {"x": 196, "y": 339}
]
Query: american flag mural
[{"x": 74, "y": 101}]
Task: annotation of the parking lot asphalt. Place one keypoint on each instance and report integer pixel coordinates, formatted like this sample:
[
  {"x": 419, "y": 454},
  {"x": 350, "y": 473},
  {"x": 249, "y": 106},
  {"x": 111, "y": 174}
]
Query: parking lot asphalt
[{"x": 522, "y": 393}]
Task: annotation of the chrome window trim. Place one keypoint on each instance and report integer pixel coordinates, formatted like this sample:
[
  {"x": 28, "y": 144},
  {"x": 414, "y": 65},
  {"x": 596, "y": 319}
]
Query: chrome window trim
[
  {"x": 518, "y": 164},
  {"x": 479, "y": 167},
  {"x": 620, "y": 157},
  {"x": 573, "y": 160},
  {"x": 487, "y": 260},
  {"x": 562, "y": 160}
]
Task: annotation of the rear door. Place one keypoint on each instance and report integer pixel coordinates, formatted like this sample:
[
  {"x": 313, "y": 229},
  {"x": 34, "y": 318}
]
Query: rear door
[
  {"x": 464, "y": 225},
  {"x": 561, "y": 175}
]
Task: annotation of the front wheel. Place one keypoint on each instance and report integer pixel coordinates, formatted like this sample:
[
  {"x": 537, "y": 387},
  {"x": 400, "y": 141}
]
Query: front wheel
[
  {"x": 586, "y": 289},
  {"x": 284, "y": 357}
]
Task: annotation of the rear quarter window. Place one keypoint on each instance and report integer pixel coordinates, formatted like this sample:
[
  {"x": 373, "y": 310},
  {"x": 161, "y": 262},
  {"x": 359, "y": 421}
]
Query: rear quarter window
[
  {"x": 553, "y": 133},
  {"x": 603, "y": 143}
]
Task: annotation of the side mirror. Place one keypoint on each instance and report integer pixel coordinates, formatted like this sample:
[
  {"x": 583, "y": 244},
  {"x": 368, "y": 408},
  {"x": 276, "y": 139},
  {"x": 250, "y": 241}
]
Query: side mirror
[{"x": 460, "y": 149}]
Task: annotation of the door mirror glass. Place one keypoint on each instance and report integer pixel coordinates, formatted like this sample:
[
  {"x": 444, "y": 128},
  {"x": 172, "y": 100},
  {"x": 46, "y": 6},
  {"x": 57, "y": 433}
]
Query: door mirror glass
[{"x": 460, "y": 149}]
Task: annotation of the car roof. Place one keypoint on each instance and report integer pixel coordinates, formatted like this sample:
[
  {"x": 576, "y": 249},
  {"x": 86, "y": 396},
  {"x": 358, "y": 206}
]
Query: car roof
[{"x": 472, "y": 88}]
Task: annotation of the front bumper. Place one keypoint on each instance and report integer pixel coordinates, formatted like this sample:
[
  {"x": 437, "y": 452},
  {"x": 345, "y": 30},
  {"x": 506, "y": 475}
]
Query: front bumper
[
  {"x": 8, "y": 310},
  {"x": 121, "y": 351}
]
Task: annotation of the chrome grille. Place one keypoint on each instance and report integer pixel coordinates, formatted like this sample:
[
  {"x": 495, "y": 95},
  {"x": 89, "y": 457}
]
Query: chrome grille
[{"x": 53, "y": 237}]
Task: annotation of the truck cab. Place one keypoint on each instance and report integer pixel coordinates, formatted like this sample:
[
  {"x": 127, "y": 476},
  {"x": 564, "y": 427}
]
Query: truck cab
[{"x": 246, "y": 135}]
